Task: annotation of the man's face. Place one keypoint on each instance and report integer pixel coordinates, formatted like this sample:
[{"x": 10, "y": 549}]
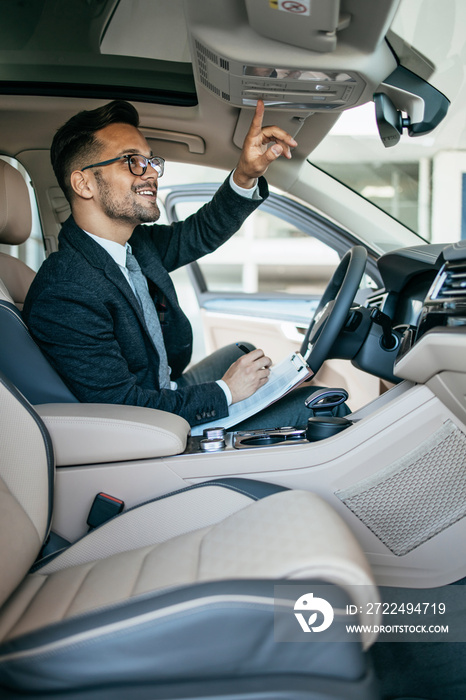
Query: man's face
[{"x": 121, "y": 195}]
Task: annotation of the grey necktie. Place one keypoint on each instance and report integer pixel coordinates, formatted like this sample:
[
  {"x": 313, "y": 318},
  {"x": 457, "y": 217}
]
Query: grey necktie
[{"x": 150, "y": 317}]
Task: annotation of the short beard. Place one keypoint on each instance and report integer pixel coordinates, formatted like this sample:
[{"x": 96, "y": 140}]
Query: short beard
[{"x": 127, "y": 210}]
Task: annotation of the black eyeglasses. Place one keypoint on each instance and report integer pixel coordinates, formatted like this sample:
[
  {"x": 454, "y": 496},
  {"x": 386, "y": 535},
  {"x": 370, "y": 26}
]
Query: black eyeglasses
[{"x": 137, "y": 164}]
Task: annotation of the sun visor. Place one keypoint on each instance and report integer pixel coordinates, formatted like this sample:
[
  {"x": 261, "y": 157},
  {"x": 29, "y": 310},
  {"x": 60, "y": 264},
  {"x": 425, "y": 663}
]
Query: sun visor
[{"x": 311, "y": 24}]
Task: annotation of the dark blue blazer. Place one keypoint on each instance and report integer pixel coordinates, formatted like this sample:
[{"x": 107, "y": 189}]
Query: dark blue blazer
[{"x": 83, "y": 314}]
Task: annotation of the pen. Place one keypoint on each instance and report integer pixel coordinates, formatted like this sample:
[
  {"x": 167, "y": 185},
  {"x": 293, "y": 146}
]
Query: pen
[{"x": 243, "y": 348}]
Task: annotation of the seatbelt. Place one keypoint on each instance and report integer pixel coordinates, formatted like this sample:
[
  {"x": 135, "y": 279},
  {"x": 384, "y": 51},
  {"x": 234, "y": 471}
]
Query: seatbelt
[{"x": 104, "y": 508}]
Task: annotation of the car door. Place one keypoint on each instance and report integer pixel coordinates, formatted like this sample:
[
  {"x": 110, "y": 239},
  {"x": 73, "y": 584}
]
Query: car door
[{"x": 264, "y": 284}]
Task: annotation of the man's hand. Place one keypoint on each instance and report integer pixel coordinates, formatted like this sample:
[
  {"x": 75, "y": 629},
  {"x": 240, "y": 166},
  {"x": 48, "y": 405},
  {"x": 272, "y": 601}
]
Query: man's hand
[
  {"x": 257, "y": 154},
  {"x": 247, "y": 374}
]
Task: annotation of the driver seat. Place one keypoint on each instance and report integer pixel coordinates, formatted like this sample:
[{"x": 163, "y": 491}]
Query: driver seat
[
  {"x": 21, "y": 360},
  {"x": 174, "y": 598}
]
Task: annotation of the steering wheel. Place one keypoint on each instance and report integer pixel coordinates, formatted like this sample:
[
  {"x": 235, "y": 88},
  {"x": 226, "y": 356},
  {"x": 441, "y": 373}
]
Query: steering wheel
[{"x": 333, "y": 308}]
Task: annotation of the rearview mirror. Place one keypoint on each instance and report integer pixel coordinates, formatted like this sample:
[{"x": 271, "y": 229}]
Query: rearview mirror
[
  {"x": 390, "y": 121},
  {"x": 405, "y": 92}
]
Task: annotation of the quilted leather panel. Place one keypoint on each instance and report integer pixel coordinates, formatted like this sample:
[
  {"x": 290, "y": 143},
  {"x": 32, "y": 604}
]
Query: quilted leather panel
[{"x": 258, "y": 541}]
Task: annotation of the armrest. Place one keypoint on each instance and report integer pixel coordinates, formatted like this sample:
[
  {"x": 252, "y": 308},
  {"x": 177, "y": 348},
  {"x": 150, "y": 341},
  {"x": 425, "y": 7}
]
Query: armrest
[{"x": 94, "y": 433}]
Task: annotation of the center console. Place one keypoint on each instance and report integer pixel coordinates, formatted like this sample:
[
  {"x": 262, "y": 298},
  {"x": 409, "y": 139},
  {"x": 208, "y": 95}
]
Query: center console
[{"x": 322, "y": 424}]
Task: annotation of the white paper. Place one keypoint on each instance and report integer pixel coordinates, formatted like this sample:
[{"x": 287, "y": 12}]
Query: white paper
[{"x": 283, "y": 377}]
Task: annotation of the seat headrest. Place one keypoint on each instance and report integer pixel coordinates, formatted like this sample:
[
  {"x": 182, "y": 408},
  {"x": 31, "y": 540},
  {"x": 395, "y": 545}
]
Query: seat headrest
[
  {"x": 15, "y": 279},
  {"x": 15, "y": 206}
]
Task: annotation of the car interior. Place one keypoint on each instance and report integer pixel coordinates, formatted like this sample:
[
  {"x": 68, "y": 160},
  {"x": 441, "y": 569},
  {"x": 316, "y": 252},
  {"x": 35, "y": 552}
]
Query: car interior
[{"x": 146, "y": 560}]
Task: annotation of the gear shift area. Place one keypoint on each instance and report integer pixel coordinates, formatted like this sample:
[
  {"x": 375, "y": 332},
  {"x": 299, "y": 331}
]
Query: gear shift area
[{"x": 321, "y": 424}]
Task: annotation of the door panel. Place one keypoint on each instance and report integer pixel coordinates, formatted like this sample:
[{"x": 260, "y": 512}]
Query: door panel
[{"x": 283, "y": 250}]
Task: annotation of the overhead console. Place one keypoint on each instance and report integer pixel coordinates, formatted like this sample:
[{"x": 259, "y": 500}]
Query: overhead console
[
  {"x": 294, "y": 55},
  {"x": 310, "y": 56},
  {"x": 311, "y": 25},
  {"x": 279, "y": 86}
]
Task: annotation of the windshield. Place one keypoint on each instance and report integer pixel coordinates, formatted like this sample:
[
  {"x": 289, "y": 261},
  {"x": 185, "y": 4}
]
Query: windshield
[{"x": 420, "y": 182}]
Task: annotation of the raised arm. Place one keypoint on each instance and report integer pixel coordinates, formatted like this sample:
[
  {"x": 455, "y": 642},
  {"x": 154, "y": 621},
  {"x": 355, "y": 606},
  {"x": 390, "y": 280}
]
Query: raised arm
[{"x": 262, "y": 145}]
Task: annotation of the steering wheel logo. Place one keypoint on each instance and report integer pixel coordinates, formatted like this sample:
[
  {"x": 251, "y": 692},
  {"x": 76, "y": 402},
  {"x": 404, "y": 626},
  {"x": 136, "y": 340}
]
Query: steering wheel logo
[{"x": 309, "y": 604}]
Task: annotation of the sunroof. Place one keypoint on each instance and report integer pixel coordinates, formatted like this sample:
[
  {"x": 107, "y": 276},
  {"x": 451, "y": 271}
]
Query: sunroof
[{"x": 79, "y": 46}]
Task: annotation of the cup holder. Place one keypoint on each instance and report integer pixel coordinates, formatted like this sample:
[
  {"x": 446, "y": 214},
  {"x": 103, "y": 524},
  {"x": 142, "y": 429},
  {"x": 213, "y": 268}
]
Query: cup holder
[
  {"x": 318, "y": 428},
  {"x": 258, "y": 440},
  {"x": 265, "y": 438},
  {"x": 322, "y": 427}
]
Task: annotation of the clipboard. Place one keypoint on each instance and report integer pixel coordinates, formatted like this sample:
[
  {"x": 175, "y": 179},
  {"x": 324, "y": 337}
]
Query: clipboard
[{"x": 284, "y": 376}]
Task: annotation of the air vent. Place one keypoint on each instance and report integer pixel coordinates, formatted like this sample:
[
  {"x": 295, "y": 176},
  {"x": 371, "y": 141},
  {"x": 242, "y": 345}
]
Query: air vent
[
  {"x": 205, "y": 59},
  {"x": 203, "y": 53},
  {"x": 451, "y": 283},
  {"x": 209, "y": 85},
  {"x": 224, "y": 64}
]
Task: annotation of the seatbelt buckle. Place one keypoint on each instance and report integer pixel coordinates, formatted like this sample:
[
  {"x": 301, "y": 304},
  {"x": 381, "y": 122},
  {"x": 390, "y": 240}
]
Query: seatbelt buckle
[{"x": 104, "y": 508}]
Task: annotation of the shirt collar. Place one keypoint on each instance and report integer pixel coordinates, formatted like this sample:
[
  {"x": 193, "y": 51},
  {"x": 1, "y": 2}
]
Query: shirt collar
[{"x": 114, "y": 249}]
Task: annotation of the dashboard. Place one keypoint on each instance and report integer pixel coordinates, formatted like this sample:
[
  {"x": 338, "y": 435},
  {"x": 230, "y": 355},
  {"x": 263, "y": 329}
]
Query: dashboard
[{"x": 424, "y": 290}]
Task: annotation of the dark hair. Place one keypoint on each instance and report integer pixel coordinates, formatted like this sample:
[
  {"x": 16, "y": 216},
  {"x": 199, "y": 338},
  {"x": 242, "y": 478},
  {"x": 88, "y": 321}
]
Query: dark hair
[{"x": 74, "y": 144}]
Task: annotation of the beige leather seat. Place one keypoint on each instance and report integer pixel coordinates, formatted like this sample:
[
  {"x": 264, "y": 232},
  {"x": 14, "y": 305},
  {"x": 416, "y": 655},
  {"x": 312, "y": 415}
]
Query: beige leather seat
[
  {"x": 174, "y": 598},
  {"x": 15, "y": 228},
  {"x": 21, "y": 360}
]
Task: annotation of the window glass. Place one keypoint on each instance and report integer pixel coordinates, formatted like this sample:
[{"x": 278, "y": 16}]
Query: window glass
[
  {"x": 420, "y": 181},
  {"x": 354, "y": 155},
  {"x": 393, "y": 187},
  {"x": 266, "y": 254},
  {"x": 32, "y": 251}
]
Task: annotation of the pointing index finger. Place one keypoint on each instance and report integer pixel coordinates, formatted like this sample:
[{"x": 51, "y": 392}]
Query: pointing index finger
[{"x": 256, "y": 124}]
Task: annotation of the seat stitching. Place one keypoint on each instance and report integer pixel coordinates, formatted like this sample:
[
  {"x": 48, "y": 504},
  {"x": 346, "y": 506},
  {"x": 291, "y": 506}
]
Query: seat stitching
[
  {"x": 201, "y": 545},
  {"x": 88, "y": 572},
  {"x": 141, "y": 566},
  {"x": 28, "y": 606},
  {"x": 231, "y": 487},
  {"x": 150, "y": 501},
  {"x": 14, "y": 312}
]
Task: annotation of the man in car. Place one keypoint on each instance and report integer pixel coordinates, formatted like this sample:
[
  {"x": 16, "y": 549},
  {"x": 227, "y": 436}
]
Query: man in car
[{"x": 103, "y": 308}]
